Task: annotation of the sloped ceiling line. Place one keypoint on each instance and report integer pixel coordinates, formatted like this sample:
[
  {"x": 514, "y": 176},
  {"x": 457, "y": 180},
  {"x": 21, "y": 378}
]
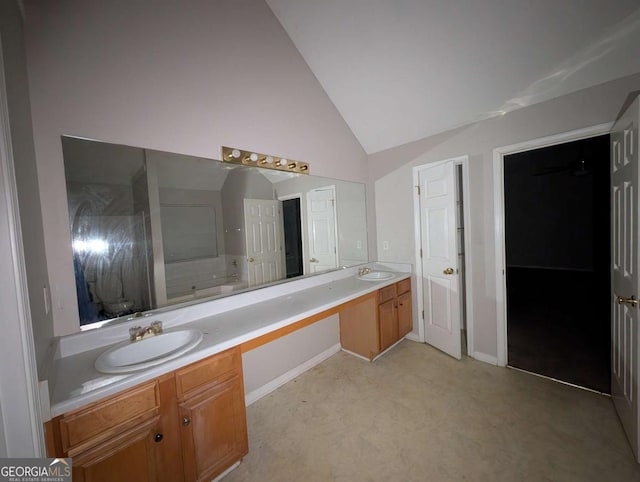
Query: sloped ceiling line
[{"x": 402, "y": 71}]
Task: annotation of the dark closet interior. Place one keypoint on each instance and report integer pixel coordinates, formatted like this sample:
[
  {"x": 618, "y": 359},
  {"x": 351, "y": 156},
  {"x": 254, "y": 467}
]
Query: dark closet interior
[
  {"x": 292, "y": 237},
  {"x": 557, "y": 230}
]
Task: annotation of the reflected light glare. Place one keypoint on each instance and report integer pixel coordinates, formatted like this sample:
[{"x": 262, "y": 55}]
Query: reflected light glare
[{"x": 95, "y": 246}]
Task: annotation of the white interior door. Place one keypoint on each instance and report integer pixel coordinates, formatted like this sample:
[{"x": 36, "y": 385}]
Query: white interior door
[
  {"x": 624, "y": 243},
  {"x": 263, "y": 228},
  {"x": 321, "y": 218},
  {"x": 438, "y": 240}
]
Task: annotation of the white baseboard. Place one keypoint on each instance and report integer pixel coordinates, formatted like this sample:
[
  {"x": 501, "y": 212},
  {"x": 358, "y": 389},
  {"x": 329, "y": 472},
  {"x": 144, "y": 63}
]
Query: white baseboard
[
  {"x": 379, "y": 354},
  {"x": 266, "y": 389},
  {"x": 483, "y": 357},
  {"x": 388, "y": 349},
  {"x": 413, "y": 337},
  {"x": 357, "y": 355},
  {"x": 226, "y": 472}
]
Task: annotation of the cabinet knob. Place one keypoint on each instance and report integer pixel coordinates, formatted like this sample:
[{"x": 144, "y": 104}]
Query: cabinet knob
[
  {"x": 158, "y": 437},
  {"x": 186, "y": 421}
]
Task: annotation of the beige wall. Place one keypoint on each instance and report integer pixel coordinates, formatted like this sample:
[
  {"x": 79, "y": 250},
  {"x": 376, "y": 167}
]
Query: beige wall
[
  {"x": 275, "y": 359},
  {"x": 171, "y": 76},
  {"x": 391, "y": 172}
]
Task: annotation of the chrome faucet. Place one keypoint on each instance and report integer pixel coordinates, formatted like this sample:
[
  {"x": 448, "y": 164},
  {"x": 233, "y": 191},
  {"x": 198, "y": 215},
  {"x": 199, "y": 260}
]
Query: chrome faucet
[
  {"x": 363, "y": 271},
  {"x": 138, "y": 333}
]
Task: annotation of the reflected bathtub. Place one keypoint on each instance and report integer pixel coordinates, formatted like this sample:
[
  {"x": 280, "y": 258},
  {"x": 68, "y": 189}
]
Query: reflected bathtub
[{"x": 218, "y": 290}]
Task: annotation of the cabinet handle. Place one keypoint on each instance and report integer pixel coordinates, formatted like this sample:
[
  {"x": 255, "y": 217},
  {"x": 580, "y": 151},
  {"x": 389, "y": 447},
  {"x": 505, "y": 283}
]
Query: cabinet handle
[
  {"x": 186, "y": 421},
  {"x": 158, "y": 437}
]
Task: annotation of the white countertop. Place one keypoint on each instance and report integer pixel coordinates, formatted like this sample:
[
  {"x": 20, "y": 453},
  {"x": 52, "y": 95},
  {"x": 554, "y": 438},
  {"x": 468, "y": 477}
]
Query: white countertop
[{"x": 75, "y": 382}]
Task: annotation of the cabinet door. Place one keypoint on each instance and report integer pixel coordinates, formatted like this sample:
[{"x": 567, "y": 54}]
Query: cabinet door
[
  {"x": 128, "y": 457},
  {"x": 404, "y": 314},
  {"x": 214, "y": 434},
  {"x": 387, "y": 324}
]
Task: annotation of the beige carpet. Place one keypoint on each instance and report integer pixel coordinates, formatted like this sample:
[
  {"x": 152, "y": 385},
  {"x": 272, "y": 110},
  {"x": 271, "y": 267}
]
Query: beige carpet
[{"x": 418, "y": 415}]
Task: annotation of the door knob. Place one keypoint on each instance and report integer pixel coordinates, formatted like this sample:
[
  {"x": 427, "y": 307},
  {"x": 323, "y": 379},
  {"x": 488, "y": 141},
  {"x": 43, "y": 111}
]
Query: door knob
[
  {"x": 158, "y": 437},
  {"x": 251, "y": 260},
  {"x": 186, "y": 421},
  {"x": 449, "y": 271},
  {"x": 313, "y": 260},
  {"x": 628, "y": 301}
]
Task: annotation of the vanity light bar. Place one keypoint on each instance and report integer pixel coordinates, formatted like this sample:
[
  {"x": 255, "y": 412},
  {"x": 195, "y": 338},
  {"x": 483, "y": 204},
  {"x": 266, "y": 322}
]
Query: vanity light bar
[{"x": 249, "y": 158}]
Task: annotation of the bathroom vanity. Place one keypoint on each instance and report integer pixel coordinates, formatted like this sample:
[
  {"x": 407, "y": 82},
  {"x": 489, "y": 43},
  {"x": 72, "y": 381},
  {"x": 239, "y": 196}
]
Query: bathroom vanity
[
  {"x": 375, "y": 322},
  {"x": 184, "y": 419},
  {"x": 186, "y": 425}
]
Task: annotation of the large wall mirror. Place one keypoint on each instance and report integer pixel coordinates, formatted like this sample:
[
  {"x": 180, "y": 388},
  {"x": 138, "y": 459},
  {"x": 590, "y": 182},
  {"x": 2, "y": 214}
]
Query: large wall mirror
[{"x": 153, "y": 229}]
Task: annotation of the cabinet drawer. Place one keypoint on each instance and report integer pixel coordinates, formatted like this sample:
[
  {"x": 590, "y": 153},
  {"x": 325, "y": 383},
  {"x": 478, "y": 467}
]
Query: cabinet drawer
[
  {"x": 403, "y": 286},
  {"x": 107, "y": 418},
  {"x": 201, "y": 374},
  {"x": 386, "y": 294}
]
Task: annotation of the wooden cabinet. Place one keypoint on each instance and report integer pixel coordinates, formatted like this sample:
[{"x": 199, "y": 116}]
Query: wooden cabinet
[
  {"x": 188, "y": 425},
  {"x": 359, "y": 331},
  {"x": 212, "y": 416},
  {"x": 387, "y": 324},
  {"x": 404, "y": 314},
  {"x": 371, "y": 324},
  {"x": 129, "y": 456}
]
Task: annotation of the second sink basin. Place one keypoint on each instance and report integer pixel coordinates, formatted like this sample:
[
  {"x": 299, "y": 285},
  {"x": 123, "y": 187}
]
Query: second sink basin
[
  {"x": 132, "y": 356},
  {"x": 376, "y": 276}
]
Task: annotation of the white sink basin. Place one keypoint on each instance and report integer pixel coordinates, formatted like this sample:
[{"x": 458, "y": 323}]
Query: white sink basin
[
  {"x": 132, "y": 356},
  {"x": 376, "y": 276}
]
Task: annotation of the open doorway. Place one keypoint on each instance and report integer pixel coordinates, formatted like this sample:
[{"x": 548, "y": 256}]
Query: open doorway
[
  {"x": 557, "y": 248},
  {"x": 292, "y": 237}
]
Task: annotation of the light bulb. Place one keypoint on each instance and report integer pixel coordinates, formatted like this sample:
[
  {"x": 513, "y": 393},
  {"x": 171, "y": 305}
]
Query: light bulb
[
  {"x": 235, "y": 153},
  {"x": 268, "y": 160},
  {"x": 253, "y": 157}
]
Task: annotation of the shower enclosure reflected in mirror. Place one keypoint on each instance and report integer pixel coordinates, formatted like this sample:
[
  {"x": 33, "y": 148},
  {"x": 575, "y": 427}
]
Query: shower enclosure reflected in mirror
[{"x": 152, "y": 229}]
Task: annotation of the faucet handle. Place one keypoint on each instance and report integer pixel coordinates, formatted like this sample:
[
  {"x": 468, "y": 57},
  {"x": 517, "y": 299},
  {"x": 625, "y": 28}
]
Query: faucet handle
[{"x": 135, "y": 333}]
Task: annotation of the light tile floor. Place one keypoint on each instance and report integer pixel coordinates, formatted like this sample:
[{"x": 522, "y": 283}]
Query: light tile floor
[{"x": 419, "y": 415}]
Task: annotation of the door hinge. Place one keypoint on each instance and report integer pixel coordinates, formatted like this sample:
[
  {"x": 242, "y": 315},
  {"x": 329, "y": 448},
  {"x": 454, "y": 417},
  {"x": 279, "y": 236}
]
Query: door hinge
[
  {"x": 418, "y": 188},
  {"x": 421, "y": 252},
  {"x": 423, "y": 314}
]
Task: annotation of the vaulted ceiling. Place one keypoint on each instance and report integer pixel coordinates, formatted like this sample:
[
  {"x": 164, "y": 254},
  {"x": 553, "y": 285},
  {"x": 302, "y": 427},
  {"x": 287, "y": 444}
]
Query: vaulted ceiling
[{"x": 402, "y": 70}]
